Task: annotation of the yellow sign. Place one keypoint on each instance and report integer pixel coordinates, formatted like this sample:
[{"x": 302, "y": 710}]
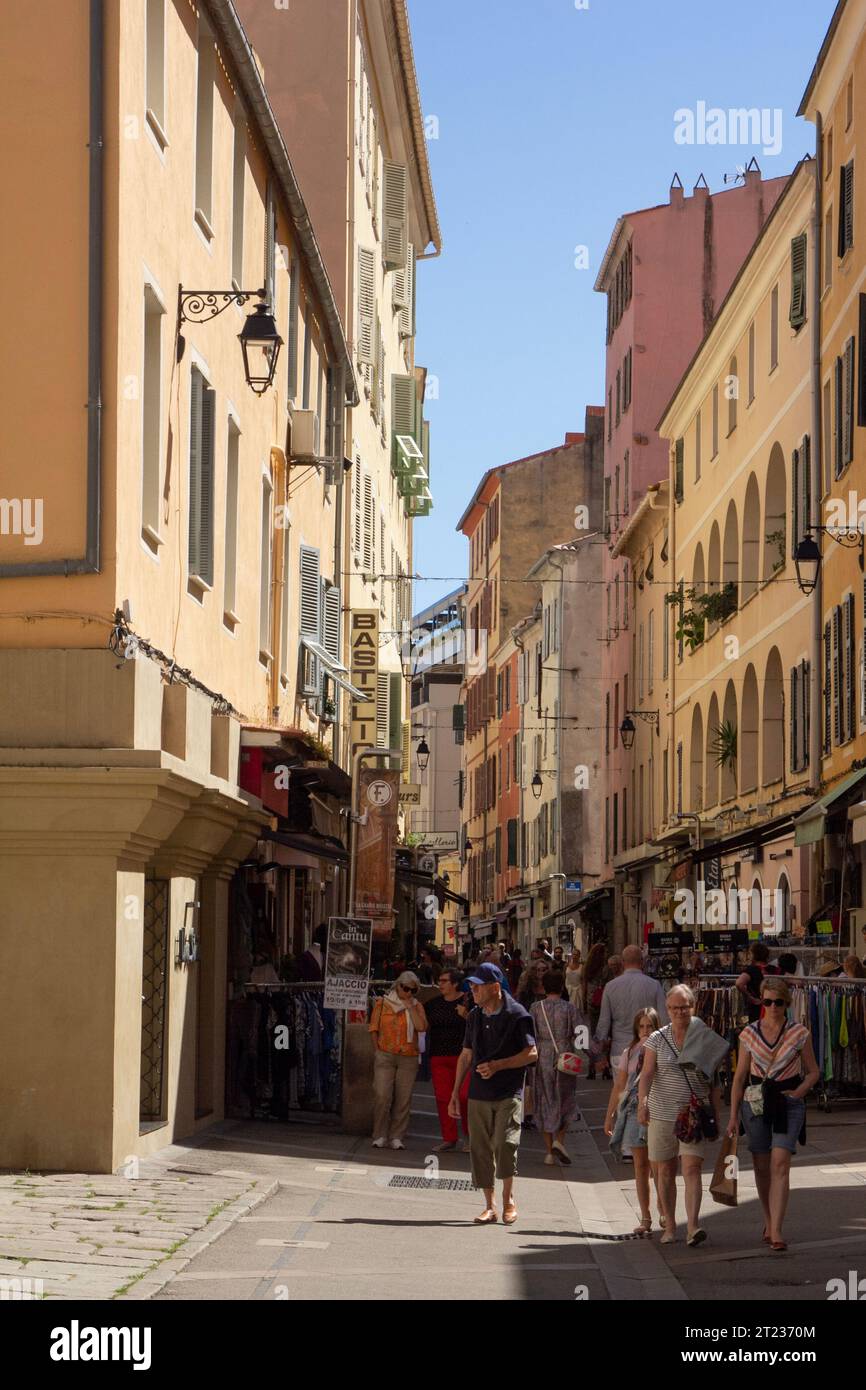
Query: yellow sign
[{"x": 364, "y": 668}]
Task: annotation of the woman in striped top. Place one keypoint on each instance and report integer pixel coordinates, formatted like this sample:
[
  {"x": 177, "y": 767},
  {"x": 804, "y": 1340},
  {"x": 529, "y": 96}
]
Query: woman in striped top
[{"x": 777, "y": 1064}]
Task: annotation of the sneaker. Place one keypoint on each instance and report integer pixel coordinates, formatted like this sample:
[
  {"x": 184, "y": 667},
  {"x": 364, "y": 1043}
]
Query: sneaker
[
  {"x": 560, "y": 1152},
  {"x": 549, "y": 1160},
  {"x": 397, "y": 1144},
  {"x": 379, "y": 1143}
]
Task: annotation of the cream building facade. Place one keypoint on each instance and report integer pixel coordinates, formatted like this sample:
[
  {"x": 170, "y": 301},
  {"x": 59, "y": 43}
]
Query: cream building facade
[{"x": 183, "y": 569}]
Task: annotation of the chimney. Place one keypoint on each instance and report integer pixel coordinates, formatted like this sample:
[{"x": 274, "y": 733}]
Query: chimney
[
  {"x": 677, "y": 194},
  {"x": 753, "y": 173},
  {"x": 701, "y": 188}
]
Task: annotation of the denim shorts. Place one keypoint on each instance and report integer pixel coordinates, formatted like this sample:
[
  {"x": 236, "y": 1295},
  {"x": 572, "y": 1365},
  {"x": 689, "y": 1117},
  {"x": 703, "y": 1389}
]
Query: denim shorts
[
  {"x": 634, "y": 1135},
  {"x": 759, "y": 1134}
]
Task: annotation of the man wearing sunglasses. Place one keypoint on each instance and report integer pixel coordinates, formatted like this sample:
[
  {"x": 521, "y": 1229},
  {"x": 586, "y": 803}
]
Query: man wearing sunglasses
[{"x": 498, "y": 1047}]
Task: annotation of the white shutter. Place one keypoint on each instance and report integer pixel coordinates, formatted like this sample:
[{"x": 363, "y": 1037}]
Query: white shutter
[
  {"x": 395, "y": 214},
  {"x": 403, "y": 408},
  {"x": 407, "y": 290},
  {"x": 366, "y": 306},
  {"x": 358, "y": 494},
  {"x": 367, "y": 558},
  {"x": 311, "y": 617},
  {"x": 383, "y": 705},
  {"x": 331, "y": 633}
]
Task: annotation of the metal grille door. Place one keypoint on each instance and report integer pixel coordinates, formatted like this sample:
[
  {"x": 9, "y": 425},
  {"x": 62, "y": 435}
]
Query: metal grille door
[{"x": 153, "y": 996}]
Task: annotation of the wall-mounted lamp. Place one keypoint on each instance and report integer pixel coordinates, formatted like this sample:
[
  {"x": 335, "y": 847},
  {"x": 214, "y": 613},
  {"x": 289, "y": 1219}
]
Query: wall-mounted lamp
[
  {"x": 627, "y": 728},
  {"x": 258, "y": 336},
  {"x": 807, "y": 556},
  {"x": 536, "y": 785},
  {"x": 187, "y": 937},
  {"x": 423, "y": 755}
]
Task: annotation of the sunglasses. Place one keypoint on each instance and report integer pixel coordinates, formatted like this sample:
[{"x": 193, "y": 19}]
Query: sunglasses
[
  {"x": 409, "y": 989},
  {"x": 774, "y": 1003}
]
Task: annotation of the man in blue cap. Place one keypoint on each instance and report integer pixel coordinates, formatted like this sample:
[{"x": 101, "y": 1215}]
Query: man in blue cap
[{"x": 499, "y": 1046}]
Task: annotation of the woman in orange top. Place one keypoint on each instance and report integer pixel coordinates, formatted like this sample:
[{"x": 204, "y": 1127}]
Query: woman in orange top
[{"x": 397, "y": 1020}]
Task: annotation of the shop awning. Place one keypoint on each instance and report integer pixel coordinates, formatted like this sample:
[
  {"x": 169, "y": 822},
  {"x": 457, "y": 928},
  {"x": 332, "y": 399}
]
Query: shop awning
[
  {"x": 483, "y": 929},
  {"x": 308, "y": 844},
  {"x": 334, "y": 667},
  {"x": 589, "y": 899},
  {"x": 810, "y": 825}
]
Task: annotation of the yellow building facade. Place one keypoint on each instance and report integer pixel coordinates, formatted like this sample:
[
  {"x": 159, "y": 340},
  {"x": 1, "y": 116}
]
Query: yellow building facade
[
  {"x": 182, "y": 566},
  {"x": 734, "y": 726}
]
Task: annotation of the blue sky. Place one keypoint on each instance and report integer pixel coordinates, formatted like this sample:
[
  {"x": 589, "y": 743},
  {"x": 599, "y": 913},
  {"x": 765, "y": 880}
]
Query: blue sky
[{"x": 552, "y": 121}]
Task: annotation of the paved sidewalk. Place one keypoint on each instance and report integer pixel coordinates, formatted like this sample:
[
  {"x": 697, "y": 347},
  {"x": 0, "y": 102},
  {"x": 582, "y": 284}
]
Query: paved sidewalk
[{"x": 90, "y": 1237}]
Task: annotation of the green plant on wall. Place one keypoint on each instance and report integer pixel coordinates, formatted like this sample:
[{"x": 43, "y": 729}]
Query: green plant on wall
[
  {"x": 712, "y": 607},
  {"x": 777, "y": 538},
  {"x": 724, "y": 745}
]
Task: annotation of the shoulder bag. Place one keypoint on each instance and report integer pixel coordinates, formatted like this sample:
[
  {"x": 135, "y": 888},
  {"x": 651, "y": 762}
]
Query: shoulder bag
[
  {"x": 569, "y": 1062},
  {"x": 754, "y": 1094},
  {"x": 696, "y": 1121}
]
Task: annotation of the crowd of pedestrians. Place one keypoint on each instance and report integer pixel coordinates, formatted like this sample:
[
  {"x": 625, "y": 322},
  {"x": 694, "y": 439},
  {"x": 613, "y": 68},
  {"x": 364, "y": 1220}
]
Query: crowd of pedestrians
[{"x": 499, "y": 1038}]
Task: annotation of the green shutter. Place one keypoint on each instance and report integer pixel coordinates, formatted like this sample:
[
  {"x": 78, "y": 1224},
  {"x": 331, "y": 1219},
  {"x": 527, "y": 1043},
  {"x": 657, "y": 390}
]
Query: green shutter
[
  {"x": 796, "y": 533},
  {"x": 797, "y": 314},
  {"x": 678, "y": 470},
  {"x": 404, "y": 421},
  {"x": 848, "y": 405}
]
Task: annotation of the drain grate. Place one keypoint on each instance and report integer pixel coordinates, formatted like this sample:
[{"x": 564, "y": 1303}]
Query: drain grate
[
  {"x": 601, "y": 1235},
  {"x": 434, "y": 1184}
]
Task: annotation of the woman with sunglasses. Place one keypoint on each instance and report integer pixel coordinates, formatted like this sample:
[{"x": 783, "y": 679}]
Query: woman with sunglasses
[
  {"x": 397, "y": 1020},
  {"x": 775, "y": 1071}
]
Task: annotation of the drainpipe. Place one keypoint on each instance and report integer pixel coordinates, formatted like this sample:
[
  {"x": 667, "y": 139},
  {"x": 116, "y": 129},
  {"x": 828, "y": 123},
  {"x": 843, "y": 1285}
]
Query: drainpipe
[
  {"x": 89, "y": 563},
  {"x": 519, "y": 644},
  {"x": 560, "y": 727},
  {"x": 670, "y": 757},
  {"x": 816, "y": 721}
]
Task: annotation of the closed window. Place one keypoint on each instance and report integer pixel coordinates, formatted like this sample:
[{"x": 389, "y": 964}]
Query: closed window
[
  {"x": 151, "y": 419},
  {"x": 774, "y": 328},
  {"x": 204, "y": 130},
  {"x": 231, "y": 533},
  {"x": 266, "y": 560},
  {"x": 846, "y": 208},
  {"x": 201, "y": 481}
]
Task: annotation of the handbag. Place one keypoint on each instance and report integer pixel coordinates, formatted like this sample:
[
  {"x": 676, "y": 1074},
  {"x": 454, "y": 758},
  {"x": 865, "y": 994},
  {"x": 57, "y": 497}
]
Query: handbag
[
  {"x": 571, "y": 1063},
  {"x": 696, "y": 1121},
  {"x": 723, "y": 1188}
]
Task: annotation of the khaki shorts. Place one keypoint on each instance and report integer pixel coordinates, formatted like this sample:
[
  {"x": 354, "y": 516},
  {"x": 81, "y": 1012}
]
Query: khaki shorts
[{"x": 663, "y": 1144}]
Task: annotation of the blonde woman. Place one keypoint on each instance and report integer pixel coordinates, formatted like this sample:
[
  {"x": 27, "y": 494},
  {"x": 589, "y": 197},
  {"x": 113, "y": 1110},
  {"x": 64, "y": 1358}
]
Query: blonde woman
[
  {"x": 621, "y": 1125},
  {"x": 573, "y": 980}
]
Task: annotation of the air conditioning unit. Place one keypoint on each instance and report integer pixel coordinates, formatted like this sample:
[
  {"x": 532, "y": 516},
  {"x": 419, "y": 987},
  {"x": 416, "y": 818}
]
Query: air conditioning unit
[{"x": 305, "y": 435}]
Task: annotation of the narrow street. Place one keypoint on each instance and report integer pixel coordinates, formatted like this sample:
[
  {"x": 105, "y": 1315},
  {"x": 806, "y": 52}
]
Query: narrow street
[{"x": 345, "y": 1222}]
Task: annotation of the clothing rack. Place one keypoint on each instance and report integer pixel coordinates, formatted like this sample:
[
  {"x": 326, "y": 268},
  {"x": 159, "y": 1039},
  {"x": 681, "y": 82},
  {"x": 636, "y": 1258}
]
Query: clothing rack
[
  {"x": 841, "y": 1064},
  {"x": 269, "y": 1076}
]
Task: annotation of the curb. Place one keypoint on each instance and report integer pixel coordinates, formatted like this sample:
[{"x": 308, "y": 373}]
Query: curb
[{"x": 155, "y": 1281}]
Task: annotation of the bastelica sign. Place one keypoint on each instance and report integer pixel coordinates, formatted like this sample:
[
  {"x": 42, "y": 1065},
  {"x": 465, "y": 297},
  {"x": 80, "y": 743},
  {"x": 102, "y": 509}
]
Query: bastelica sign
[
  {"x": 376, "y": 848},
  {"x": 363, "y": 671}
]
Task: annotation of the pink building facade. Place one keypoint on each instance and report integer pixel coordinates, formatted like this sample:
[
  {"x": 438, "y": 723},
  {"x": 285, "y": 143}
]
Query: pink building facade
[{"x": 665, "y": 273}]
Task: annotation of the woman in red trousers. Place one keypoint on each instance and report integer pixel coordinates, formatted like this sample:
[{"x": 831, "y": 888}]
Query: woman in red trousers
[{"x": 446, "y": 1029}]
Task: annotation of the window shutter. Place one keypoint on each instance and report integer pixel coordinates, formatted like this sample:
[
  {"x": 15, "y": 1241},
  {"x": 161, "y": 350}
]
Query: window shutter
[
  {"x": 358, "y": 490},
  {"x": 806, "y": 475},
  {"x": 292, "y": 345},
  {"x": 270, "y": 249},
  {"x": 383, "y": 691},
  {"x": 366, "y": 306},
  {"x": 651, "y": 632},
  {"x": 806, "y": 711},
  {"x": 828, "y": 695},
  {"x": 395, "y": 214},
  {"x": 196, "y": 385},
  {"x": 797, "y": 313},
  {"x": 678, "y": 470},
  {"x": 861, "y": 373},
  {"x": 796, "y": 532},
  {"x": 846, "y": 208},
  {"x": 407, "y": 314},
  {"x": 848, "y": 405},
  {"x": 839, "y": 405},
  {"x": 331, "y": 637},
  {"x": 840, "y": 233},
  {"x": 311, "y": 616},
  {"x": 367, "y": 557},
  {"x": 850, "y": 677},
  {"x": 406, "y": 749},
  {"x": 206, "y": 495},
  {"x": 837, "y": 674},
  {"x": 395, "y": 710},
  {"x": 793, "y": 718}
]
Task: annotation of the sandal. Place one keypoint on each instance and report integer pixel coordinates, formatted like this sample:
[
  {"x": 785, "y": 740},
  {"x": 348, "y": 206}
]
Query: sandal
[
  {"x": 509, "y": 1215},
  {"x": 645, "y": 1226},
  {"x": 778, "y": 1245},
  {"x": 697, "y": 1237},
  {"x": 765, "y": 1237},
  {"x": 487, "y": 1218}
]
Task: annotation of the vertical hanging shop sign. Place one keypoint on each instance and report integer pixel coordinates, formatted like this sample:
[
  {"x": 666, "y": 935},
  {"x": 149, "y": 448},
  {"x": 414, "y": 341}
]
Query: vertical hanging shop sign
[
  {"x": 364, "y": 669},
  {"x": 376, "y": 848},
  {"x": 347, "y": 963}
]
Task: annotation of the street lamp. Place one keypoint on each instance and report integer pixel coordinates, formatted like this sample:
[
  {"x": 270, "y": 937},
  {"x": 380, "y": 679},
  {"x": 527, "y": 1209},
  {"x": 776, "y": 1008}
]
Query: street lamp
[
  {"x": 627, "y": 732},
  {"x": 807, "y": 556},
  {"x": 259, "y": 333},
  {"x": 536, "y": 785},
  {"x": 423, "y": 755},
  {"x": 627, "y": 727}
]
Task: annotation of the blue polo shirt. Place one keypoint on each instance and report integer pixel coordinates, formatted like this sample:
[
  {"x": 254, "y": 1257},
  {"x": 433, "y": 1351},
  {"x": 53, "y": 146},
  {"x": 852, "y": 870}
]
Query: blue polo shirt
[{"x": 492, "y": 1037}]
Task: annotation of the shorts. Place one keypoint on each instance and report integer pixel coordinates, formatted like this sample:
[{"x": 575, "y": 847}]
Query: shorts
[
  {"x": 664, "y": 1145},
  {"x": 759, "y": 1134},
  {"x": 634, "y": 1135}
]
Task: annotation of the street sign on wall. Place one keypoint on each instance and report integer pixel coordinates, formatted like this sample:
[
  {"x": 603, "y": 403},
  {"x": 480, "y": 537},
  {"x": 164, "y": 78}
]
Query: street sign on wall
[
  {"x": 439, "y": 839},
  {"x": 410, "y": 794}
]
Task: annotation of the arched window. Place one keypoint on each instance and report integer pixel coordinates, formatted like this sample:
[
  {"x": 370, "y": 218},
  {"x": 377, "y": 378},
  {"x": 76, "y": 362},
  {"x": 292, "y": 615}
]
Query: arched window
[
  {"x": 751, "y": 569},
  {"x": 773, "y": 731},
  {"x": 775, "y": 513},
  {"x": 696, "y": 762},
  {"x": 748, "y": 735}
]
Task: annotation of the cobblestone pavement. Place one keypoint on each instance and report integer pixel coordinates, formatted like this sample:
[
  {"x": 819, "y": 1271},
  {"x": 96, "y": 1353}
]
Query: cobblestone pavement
[{"x": 90, "y": 1237}]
